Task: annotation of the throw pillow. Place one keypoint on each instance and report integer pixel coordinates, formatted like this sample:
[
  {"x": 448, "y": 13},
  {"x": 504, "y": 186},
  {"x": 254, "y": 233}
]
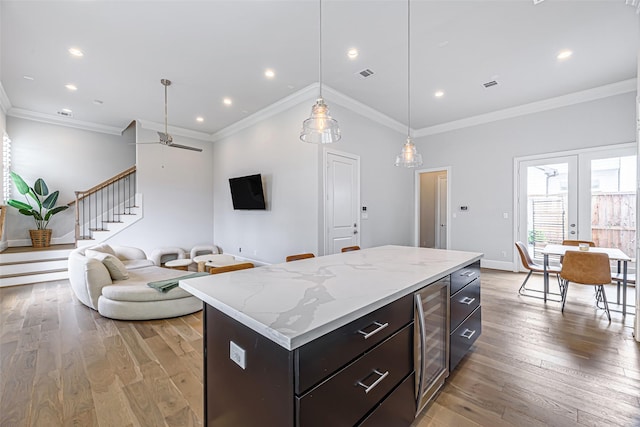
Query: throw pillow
[{"x": 117, "y": 269}]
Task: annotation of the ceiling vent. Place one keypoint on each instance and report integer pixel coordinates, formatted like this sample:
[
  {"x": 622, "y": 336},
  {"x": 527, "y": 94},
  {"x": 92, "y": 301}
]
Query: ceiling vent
[
  {"x": 365, "y": 73},
  {"x": 490, "y": 84},
  {"x": 65, "y": 113}
]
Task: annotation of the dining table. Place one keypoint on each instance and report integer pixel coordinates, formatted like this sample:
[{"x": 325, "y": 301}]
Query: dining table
[{"x": 614, "y": 254}]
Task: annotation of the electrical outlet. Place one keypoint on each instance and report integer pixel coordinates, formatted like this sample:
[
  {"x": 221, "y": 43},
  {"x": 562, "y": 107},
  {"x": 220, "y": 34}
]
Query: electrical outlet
[
  {"x": 237, "y": 354},
  {"x": 239, "y": 250}
]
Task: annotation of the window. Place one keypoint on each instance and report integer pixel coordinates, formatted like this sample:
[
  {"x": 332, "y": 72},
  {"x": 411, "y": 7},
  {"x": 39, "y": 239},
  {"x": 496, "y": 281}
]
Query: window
[{"x": 6, "y": 166}]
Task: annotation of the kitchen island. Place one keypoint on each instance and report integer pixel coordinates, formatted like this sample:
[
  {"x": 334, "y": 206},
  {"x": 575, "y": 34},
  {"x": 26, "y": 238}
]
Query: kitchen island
[{"x": 281, "y": 341}]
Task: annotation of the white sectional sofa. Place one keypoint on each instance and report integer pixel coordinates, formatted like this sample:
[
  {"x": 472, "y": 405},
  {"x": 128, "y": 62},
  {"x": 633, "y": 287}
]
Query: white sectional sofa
[{"x": 118, "y": 288}]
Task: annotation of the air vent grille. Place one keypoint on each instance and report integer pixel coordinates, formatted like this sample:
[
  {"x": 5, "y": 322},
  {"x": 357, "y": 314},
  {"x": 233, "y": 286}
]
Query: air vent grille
[
  {"x": 65, "y": 113},
  {"x": 490, "y": 84},
  {"x": 365, "y": 73}
]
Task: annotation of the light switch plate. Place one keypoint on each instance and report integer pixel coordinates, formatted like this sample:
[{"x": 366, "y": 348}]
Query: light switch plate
[{"x": 237, "y": 354}]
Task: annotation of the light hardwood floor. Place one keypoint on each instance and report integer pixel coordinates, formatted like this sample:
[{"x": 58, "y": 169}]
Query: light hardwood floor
[{"x": 63, "y": 364}]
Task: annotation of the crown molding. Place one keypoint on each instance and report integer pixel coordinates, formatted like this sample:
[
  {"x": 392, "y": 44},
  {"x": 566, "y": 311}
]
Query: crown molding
[
  {"x": 62, "y": 121},
  {"x": 362, "y": 109},
  {"x": 600, "y": 92},
  {"x": 186, "y": 133},
  {"x": 277, "y": 107},
  {"x": 304, "y": 95},
  {"x": 5, "y": 103}
]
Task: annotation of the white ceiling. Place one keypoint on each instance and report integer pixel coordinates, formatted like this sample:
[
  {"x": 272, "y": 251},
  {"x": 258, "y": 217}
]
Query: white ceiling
[{"x": 216, "y": 49}]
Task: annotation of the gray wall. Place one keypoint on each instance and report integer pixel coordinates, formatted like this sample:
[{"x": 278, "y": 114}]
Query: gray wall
[
  {"x": 292, "y": 170},
  {"x": 177, "y": 196},
  {"x": 481, "y": 160},
  {"x": 68, "y": 159}
]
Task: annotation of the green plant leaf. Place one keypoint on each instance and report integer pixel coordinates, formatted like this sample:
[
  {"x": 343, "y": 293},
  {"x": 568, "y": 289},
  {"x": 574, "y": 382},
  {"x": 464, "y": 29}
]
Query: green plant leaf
[
  {"x": 50, "y": 201},
  {"x": 37, "y": 215},
  {"x": 31, "y": 193},
  {"x": 22, "y": 186},
  {"x": 54, "y": 211},
  {"x": 40, "y": 187},
  {"x": 19, "y": 205},
  {"x": 27, "y": 212}
]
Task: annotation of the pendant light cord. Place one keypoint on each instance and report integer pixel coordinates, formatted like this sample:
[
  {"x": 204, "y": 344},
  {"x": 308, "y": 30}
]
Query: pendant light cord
[
  {"x": 409, "y": 68},
  {"x": 320, "y": 49},
  {"x": 166, "y": 132}
]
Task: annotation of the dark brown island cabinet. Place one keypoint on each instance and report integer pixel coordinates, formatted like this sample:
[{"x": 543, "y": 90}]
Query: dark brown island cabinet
[{"x": 359, "y": 369}]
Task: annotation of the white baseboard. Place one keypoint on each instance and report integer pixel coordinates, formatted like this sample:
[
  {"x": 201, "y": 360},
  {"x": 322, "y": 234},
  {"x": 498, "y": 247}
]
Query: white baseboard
[
  {"x": 255, "y": 262},
  {"x": 497, "y": 265}
]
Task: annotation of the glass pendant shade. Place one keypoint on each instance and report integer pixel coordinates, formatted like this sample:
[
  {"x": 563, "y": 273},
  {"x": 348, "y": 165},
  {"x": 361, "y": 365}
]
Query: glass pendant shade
[
  {"x": 409, "y": 156},
  {"x": 320, "y": 128}
]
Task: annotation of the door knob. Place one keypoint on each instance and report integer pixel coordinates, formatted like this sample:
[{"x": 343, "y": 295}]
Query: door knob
[
  {"x": 355, "y": 231},
  {"x": 572, "y": 232}
]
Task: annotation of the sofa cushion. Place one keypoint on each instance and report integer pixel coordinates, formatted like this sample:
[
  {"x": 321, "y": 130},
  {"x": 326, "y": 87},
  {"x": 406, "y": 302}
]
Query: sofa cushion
[
  {"x": 117, "y": 269},
  {"x": 132, "y": 264},
  {"x": 135, "y": 288}
]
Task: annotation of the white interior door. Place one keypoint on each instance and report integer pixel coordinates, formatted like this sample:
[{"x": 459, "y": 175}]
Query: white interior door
[
  {"x": 441, "y": 222},
  {"x": 342, "y": 201}
]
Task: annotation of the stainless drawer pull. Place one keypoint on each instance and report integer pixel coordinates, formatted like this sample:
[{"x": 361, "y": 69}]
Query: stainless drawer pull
[
  {"x": 468, "y": 333},
  {"x": 367, "y": 388},
  {"x": 380, "y": 326},
  {"x": 467, "y": 300},
  {"x": 468, "y": 273}
]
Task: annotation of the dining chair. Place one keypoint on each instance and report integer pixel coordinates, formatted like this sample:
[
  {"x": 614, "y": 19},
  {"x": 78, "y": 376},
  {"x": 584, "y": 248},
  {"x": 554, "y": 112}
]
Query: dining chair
[
  {"x": 532, "y": 266},
  {"x": 577, "y": 243},
  {"x": 586, "y": 268},
  {"x": 231, "y": 267},
  {"x": 299, "y": 256},
  {"x": 350, "y": 248}
]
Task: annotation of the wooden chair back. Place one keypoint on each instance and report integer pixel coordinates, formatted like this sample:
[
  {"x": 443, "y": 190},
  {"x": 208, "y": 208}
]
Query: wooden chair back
[
  {"x": 299, "y": 256},
  {"x": 586, "y": 268},
  {"x": 577, "y": 243},
  {"x": 527, "y": 262},
  {"x": 350, "y": 248},
  {"x": 232, "y": 267}
]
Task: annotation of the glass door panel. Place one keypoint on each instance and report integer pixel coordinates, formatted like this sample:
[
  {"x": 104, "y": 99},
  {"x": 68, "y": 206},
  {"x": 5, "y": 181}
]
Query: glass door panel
[{"x": 548, "y": 202}]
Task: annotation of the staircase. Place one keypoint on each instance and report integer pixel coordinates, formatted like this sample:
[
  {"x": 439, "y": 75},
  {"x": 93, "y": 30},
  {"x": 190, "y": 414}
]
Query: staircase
[
  {"x": 101, "y": 212},
  {"x": 107, "y": 209}
]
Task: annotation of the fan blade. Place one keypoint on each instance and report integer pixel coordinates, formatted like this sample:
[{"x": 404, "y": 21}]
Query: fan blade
[{"x": 185, "y": 147}]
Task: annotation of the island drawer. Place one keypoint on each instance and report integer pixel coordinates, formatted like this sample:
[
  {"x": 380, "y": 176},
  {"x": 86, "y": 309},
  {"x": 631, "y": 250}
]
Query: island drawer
[
  {"x": 397, "y": 410},
  {"x": 320, "y": 358},
  {"x": 464, "y": 276},
  {"x": 464, "y": 302},
  {"x": 463, "y": 338},
  {"x": 347, "y": 396}
]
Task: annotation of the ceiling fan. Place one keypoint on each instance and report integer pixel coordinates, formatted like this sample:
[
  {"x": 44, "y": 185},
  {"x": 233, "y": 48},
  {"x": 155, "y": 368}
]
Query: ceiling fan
[{"x": 164, "y": 137}]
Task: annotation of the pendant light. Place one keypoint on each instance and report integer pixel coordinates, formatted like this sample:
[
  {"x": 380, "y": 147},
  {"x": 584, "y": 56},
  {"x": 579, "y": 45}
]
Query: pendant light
[
  {"x": 320, "y": 128},
  {"x": 409, "y": 156}
]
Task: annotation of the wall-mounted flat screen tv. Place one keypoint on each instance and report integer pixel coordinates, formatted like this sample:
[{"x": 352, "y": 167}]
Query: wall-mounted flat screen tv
[{"x": 247, "y": 193}]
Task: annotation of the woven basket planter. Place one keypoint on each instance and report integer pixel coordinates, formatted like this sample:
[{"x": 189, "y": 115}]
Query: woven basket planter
[{"x": 40, "y": 238}]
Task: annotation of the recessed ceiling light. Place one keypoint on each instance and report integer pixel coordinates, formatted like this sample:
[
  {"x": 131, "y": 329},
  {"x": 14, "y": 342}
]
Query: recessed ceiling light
[
  {"x": 439, "y": 94},
  {"x": 564, "y": 54},
  {"x": 28, "y": 78},
  {"x": 75, "y": 51},
  {"x": 71, "y": 87},
  {"x": 200, "y": 119},
  {"x": 269, "y": 73},
  {"x": 352, "y": 53},
  {"x": 227, "y": 101}
]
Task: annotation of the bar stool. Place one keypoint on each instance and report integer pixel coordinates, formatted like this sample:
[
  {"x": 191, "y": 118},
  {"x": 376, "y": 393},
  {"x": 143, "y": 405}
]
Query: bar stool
[{"x": 299, "y": 256}]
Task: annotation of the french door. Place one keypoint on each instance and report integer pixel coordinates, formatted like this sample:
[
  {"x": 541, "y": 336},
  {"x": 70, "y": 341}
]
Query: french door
[{"x": 589, "y": 195}]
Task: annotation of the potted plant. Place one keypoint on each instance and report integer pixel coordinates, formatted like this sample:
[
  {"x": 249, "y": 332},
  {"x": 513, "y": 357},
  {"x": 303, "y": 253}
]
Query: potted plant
[{"x": 43, "y": 211}]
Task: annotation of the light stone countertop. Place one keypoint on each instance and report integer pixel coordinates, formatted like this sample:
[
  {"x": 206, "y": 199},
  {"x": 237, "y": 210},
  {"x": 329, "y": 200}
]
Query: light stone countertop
[{"x": 294, "y": 303}]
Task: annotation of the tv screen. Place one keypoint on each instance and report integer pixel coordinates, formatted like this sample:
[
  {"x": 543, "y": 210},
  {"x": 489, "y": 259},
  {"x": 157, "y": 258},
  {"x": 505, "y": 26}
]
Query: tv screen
[{"x": 246, "y": 192}]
